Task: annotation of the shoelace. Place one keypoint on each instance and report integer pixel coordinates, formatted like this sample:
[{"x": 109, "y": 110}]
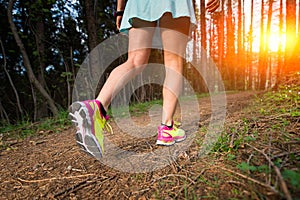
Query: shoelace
[
  {"x": 108, "y": 128},
  {"x": 176, "y": 123}
]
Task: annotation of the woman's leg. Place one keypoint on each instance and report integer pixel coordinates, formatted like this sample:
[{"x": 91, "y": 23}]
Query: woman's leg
[
  {"x": 174, "y": 38},
  {"x": 140, "y": 42},
  {"x": 91, "y": 121}
]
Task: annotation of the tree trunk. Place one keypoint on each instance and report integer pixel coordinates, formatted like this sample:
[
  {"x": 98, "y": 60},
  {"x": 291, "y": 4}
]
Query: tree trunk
[
  {"x": 270, "y": 10},
  {"x": 90, "y": 13},
  {"x": 239, "y": 76},
  {"x": 221, "y": 44},
  {"x": 250, "y": 67},
  {"x": 34, "y": 101},
  {"x": 262, "y": 52},
  {"x": 11, "y": 81},
  {"x": 203, "y": 45},
  {"x": 26, "y": 61},
  {"x": 3, "y": 114},
  {"x": 291, "y": 52},
  {"x": 40, "y": 44},
  {"x": 203, "y": 24},
  {"x": 230, "y": 46},
  {"x": 280, "y": 47},
  {"x": 220, "y": 29}
]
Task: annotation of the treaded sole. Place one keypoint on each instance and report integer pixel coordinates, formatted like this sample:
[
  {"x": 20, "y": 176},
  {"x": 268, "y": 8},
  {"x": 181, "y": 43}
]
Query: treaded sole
[{"x": 88, "y": 145}]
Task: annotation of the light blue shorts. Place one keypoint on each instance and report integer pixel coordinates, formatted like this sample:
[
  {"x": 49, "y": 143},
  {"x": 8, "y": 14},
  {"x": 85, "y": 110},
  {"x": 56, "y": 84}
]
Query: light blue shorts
[{"x": 153, "y": 10}]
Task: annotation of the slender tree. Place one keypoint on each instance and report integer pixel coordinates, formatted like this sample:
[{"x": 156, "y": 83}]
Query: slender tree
[
  {"x": 39, "y": 13},
  {"x": 268, "y": 33},
  {"x": 291, "y": 52},
  {"x": 221, "y": 41},
  {"x": 221, "y": 37},
  {"x": 239, "y": 83},
  {"x": 230, "y": 45},
  {"x": 26, "y": 61},
  {"x": 10, "y": 79},
  {"x": 262, "y": 51},
  {"x": 203, "y": 42},
  {"x": 250, "y": 70}
]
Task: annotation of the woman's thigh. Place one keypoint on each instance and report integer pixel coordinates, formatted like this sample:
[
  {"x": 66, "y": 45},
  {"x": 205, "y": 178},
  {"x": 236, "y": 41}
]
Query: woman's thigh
[{"x": 174, "y": 33}]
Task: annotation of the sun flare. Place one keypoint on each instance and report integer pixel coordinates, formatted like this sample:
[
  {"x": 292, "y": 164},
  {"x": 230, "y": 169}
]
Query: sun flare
[{"x": 275, "y": 40}]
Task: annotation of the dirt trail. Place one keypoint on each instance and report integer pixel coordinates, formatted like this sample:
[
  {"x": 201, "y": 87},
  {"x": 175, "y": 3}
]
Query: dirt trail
[{"x": 52, "y": 167}]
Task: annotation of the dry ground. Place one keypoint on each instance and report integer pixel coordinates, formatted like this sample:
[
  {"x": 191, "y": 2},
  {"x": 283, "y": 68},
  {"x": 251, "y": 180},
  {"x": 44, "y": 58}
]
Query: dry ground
[{"x": 50, "y": 166}]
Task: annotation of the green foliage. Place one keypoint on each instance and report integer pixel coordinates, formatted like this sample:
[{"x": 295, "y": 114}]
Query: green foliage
[
  {"x": 66, "y": 74},
  {"x": 54, "y": 34},
  {"x": 231, "y": 156},
  {"x": 246, "y": 167},
  {"x": 26, "y": 128},
  {"x": 134, "y": 109},
  {"x": 285, "y": 100},
  {"x": 243, "y": 166},
  {"x": 222, "y": 144},
  {"x": 234, "y": 138},
  {"x": 57, "y": 123},
  {"x": 293, "y": 177}
]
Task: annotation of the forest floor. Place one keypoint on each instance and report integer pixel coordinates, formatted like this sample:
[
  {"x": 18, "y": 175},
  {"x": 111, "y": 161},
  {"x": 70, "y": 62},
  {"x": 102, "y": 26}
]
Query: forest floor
[{"x": 256, "y": 157}]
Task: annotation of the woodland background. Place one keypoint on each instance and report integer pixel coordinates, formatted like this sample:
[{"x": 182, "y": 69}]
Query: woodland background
[{"x": 43, "y": 44}]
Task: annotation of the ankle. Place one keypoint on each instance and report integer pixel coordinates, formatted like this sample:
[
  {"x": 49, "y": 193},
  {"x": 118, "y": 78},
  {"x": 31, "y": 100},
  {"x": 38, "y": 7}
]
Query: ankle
[
  {"x": 168, "y": 124},
  {"x": 102, "y": 108},
  {"x": 168, "y": 121}
]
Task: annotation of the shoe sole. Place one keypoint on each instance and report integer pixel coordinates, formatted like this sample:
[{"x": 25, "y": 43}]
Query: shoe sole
[
  {"x": 180, "y": 139},
  {"x": 162, "y": 143},
  {"x": 87, "y": 143},
  {"x": 159, "y": 142}
]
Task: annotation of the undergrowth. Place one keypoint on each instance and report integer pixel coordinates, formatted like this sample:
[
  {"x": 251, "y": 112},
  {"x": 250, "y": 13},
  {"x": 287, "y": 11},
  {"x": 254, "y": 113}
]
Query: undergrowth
[
  {"x": 12, "y": 133},
  {"x": 265, "y": 145}
]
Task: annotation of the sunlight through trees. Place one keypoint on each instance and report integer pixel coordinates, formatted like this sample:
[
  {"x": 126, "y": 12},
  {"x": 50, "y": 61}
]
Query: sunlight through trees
[{"x": 253, "y": 44}]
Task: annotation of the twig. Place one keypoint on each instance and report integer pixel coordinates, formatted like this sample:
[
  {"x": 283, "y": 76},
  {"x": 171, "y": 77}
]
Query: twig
[
  {"x": 141, "y": 191},
  {"x": 251, "y": 179},
  {"x": 231, "y": 145},
  {"x": 236, "y": 183},
  {"x": 269, "y": 152},
  {"x": 73, "y": 188},
  {"x": 277, "y": 171},
  {"x": 278, "y": 116},
  {"x": 54, "y": 178},
  {"x": 250, "y": 157},
  {"x": 285, "y": 154},
  {"x": 292, "y": 142},
  {"x": 232, "y": 140},
  {"x": 248, "y": 161},
  {"x": 195, "y": 180},
  {"x": 79, "y": 186},
  {"x": 295, "y": 124},
  {"x": 174, "y": 175}
]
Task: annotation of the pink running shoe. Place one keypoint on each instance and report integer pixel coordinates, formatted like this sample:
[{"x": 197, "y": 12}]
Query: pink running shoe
[
  {"x": 90, "y": 124},
  {"x": 168, "y": 136}
]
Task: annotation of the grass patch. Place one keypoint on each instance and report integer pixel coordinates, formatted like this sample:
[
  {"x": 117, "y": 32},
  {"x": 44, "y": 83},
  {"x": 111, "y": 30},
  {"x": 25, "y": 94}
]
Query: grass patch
[
  {"x": 9, "y": 133},
  {"x": 135, "y": 109},
  {"x": 140, "y": 108},
  {"x": 271, "y": 126}
]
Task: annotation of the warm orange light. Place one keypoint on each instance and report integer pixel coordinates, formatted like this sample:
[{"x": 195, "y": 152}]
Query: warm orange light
[
  {"x": 291, "y": 42},
  {"x": 275, "y": 40}
]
